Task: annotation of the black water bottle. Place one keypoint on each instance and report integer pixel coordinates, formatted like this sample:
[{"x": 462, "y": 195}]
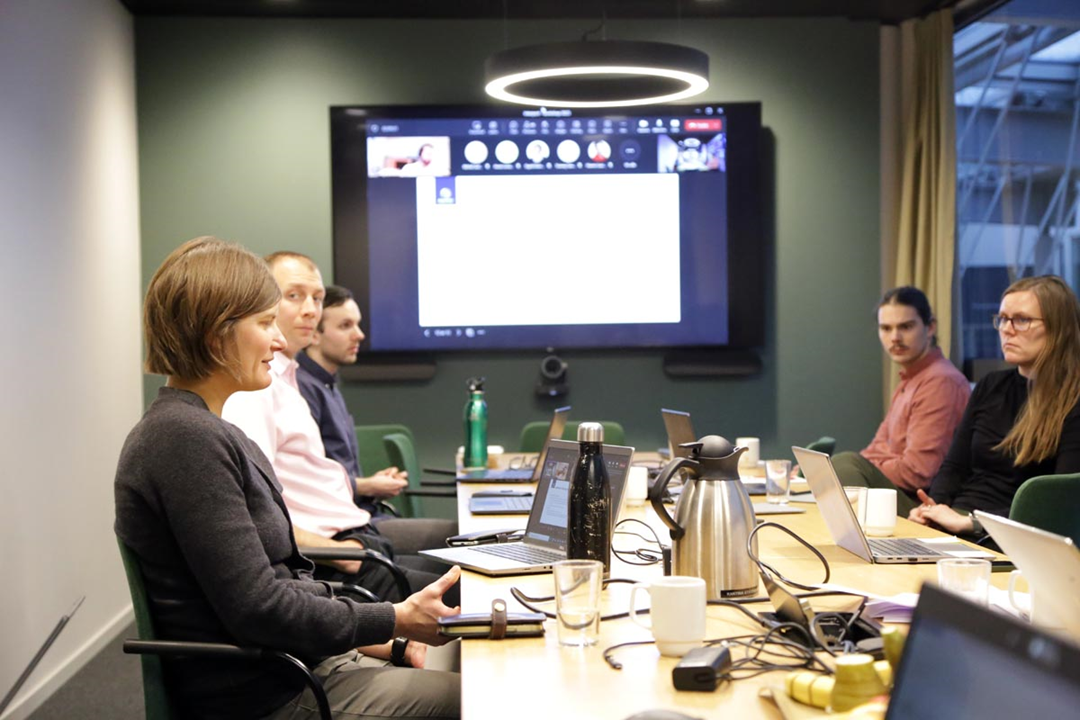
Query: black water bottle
[{"x": 589, "y": 504}]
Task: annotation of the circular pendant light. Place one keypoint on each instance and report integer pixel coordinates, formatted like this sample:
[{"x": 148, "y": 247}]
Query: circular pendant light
[{"x": 597, "y": 73}]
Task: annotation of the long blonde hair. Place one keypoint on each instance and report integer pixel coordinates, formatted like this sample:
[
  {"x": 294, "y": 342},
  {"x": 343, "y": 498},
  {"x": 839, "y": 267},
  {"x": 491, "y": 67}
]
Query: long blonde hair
[{"x": 1055, "y": 388}]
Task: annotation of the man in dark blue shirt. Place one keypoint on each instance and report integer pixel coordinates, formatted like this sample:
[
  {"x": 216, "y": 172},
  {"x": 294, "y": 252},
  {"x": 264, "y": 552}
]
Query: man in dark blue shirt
[{"x": 336, "y": 342}]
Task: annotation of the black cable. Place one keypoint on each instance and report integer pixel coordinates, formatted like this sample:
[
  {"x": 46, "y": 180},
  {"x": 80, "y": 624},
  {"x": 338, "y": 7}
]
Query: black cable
[
  {"x": 765, "y": 567},
  {"x": 646, "y": 555},
  {"x": 527, "y": 600}
]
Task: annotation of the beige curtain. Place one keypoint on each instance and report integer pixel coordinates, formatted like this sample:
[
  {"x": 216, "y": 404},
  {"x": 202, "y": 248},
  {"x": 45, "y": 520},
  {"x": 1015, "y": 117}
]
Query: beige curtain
[{"x": 919, "y": 184}]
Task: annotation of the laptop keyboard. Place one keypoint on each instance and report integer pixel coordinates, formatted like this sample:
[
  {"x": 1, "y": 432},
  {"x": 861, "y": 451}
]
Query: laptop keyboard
[
  {"x": 514, "y": 504},
  {"x": 902, "y": 546},
  {"x": 521, "y": 552}
]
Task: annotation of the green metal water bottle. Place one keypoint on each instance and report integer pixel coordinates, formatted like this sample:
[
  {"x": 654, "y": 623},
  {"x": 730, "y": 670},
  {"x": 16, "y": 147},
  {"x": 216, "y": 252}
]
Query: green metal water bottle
[{"x": 476, "y": 419}]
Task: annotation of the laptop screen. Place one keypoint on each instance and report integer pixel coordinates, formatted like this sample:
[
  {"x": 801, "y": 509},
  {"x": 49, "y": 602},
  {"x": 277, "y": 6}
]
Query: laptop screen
[
  {"x": 555, "y": 431},
  {"x": 964, "y": 662},
  {"x": 547, "y": 521},
  {"x": 679, "y": 431}
]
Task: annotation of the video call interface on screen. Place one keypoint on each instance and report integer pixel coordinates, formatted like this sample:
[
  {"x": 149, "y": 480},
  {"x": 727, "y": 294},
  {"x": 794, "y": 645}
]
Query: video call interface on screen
[{"x": 550, "y": 230}]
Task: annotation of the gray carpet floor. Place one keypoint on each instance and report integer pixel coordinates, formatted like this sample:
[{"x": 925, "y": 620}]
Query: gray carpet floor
[{"x": 109, "y": 687}]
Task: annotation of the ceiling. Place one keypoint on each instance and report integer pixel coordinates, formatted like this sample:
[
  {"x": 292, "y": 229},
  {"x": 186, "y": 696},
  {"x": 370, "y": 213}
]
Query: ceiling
[{"x": 884, "y": 11}]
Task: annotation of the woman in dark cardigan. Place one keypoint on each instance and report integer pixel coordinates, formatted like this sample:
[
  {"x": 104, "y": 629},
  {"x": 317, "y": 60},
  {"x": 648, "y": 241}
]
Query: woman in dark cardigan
[
  {"x": 1019, "y": 423},
  {"x": 199, "y": 505}
]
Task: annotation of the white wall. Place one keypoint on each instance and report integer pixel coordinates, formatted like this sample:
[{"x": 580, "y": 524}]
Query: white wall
[{"x": 70, "y": 382}]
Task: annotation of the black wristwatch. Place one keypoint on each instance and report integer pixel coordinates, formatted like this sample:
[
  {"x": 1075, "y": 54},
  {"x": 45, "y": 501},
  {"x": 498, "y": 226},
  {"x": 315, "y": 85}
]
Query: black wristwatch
[{"x": 397, "y": 652}]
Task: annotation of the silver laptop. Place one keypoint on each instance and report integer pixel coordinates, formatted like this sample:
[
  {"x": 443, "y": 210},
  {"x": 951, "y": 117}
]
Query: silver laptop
[
  {"x": 1050, "y": 563},
  {"x": 844, "y": 526},
  {"x": 680, "y": 430},
  {"x": 10, "y": 696},
  {"x": 523, "y": 474},
  {"x": 544, "y": 541}
]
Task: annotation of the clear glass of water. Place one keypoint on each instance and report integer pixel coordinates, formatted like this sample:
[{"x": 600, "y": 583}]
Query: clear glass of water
[
  {"x": 967, "y": 577},
  {"x": 777, "y": 481},
  {"x": 577, "y": 601}
]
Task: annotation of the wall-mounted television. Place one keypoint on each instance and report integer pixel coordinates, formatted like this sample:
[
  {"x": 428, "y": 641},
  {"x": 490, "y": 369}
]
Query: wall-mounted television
[{"x": 479, "y": 228}]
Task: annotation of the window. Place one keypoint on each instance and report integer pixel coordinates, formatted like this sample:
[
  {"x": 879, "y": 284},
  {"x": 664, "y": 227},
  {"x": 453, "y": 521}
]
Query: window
[{"x": 1018, "y": 157}]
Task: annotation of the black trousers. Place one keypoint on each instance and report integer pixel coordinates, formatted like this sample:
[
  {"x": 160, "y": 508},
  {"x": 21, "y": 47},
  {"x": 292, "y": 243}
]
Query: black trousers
[{"x": 419, "y": 571}]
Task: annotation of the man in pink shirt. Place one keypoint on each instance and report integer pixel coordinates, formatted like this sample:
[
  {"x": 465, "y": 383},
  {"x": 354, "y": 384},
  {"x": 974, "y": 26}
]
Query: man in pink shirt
[
  {"x": 317, "y": 490},
  {"x": 912, "y": 440}
]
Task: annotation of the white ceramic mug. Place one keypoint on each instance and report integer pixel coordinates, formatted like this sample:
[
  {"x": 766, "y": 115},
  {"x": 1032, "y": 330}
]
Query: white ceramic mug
[
  {"x": 752, "y": 456},
  {"x": 677, "y": 611},
  {"x": 856, "y": 495},
  {"x": 879, "y": 516},
  {"x": 637, "y": 485},
  {"x": 1034, "y": 607}
]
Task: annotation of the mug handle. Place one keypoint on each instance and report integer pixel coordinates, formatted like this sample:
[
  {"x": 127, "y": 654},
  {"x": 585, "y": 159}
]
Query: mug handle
[
  {"x": 1013, "y": 577},
  {"x": 633, "y": 606}
]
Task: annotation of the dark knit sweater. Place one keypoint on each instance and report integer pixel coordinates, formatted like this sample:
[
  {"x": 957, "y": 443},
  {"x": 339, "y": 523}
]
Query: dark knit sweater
[{"x": 199, "y": 505}]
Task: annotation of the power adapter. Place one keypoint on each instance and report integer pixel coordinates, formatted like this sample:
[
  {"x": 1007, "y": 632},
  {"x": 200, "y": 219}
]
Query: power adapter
[{"x": 701, "y": 668}]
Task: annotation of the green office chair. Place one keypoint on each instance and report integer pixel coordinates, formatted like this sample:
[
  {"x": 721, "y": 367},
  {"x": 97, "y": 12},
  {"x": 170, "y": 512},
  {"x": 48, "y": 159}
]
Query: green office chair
[
  {"x": 401, "y": 452},
  {"x": 159, "y": 706},
  {"x": 534, "y": 434},
  {"x": 1051, "y": 503},
  {"x": 375, "y": 455},
  {"x": 824, "y": 444}
]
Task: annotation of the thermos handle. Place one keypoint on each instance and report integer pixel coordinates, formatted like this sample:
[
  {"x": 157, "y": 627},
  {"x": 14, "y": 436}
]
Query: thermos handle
[{"x": 656, "y": 495}]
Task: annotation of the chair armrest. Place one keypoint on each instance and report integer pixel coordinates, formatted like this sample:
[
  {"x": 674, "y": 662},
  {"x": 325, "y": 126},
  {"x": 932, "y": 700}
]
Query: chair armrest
[
  {"x": 362, "y": 554},
  {"x": 438, "y": 483},
  {"x": 362, "y": 592},
  {"x": 176, "y": 648},
  {"x": 431, "y": 493}
]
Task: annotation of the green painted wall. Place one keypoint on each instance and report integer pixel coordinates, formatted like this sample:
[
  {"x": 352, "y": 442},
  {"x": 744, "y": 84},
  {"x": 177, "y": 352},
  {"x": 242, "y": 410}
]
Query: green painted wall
[{"x": 234, "y": 141}]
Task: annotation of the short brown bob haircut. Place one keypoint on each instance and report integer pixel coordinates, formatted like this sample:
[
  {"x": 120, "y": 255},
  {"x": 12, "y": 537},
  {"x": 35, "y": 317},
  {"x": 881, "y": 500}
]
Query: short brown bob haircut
[{"x": 193, "y": 304}]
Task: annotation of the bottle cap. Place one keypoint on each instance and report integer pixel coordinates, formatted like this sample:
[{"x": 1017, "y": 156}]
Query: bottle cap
[
  {"x": 476, "y": 384},
  {"x": 590, "y": 432}
]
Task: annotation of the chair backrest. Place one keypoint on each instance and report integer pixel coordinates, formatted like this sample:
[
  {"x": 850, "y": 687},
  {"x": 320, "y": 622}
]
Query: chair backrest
[
  {"x": 823, "y": 444},
  {"x": 372, "y": 449},
  {"x": 158, "y": 706},
  {"x": 534, "y": 434},
  {"x": 401, "y": 452},
  {"x": 1051, "y": 503}
]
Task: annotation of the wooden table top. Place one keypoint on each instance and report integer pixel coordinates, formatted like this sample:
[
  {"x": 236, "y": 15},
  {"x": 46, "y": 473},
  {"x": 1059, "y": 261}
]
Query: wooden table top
[{"x": 537, "y": 678}]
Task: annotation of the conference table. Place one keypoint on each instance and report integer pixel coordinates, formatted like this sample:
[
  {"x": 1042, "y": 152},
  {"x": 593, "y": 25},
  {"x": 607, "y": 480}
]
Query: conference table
[{"x": 537, "y": 678}]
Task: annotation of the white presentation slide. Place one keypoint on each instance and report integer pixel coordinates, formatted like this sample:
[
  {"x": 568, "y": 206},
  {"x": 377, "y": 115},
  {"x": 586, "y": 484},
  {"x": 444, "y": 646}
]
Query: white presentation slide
[{"x": 547, "y": 250}]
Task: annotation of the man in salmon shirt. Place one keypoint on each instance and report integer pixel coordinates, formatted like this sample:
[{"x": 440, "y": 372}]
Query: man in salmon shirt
[{"x": 912, "y": 440}]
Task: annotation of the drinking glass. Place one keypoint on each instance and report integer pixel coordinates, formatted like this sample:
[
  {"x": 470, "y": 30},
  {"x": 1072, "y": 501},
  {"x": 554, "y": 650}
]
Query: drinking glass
[
  {"x": 967, "y": 577},
  {"x": 777, "y": 481},
  {"x": 577, "y": 601}
]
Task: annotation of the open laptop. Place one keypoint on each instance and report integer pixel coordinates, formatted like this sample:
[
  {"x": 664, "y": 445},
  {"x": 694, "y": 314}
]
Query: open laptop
[
  {"x": 845, "y": 529},
  {"x": 544, "y": 541},
  {"x": 1049, "y": 562},
  {"x": 522, "y": 474},
  {"x": 10, "y": 696},
  {"x": 680, "y": 430},
  {"x": 966, "y": 662}
]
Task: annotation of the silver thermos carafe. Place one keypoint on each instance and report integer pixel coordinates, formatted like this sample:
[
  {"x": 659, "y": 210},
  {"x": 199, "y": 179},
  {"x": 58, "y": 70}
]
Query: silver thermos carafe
[{"x": 713, "y": 519}]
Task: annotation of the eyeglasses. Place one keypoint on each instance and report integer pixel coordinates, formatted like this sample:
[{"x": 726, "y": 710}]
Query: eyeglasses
[{"x": 1020, "y": 323}]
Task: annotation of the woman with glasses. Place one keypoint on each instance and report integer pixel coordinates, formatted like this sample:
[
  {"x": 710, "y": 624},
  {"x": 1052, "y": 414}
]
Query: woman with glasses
[
  {"x": 200, "y": 507},
  {"x": 1019, "y": 423}
]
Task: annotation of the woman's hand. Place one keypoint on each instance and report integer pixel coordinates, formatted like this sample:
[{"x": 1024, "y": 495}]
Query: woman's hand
[
  {"x": 417, "y": 616},
  {"x": 940, "y": 515},
  {"x": 415, "y": 652}
]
